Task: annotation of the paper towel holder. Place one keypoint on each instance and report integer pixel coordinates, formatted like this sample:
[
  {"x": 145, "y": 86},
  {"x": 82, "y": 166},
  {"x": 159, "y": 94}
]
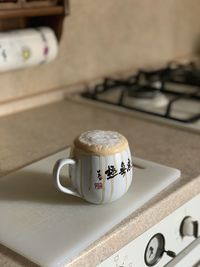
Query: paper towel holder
[{"x": 20, "y": 14}]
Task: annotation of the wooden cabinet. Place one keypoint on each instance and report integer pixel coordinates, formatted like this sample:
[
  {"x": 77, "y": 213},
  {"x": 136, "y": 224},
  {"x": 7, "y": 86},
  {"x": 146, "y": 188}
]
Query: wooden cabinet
[{"x": 17, "y": 14}]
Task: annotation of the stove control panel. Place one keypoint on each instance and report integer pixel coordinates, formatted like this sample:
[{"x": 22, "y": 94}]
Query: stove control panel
[{"x": 162, "y": 243}]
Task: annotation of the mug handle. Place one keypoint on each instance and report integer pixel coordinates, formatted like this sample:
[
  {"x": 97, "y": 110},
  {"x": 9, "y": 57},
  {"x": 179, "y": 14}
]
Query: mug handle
[{"x": 56, "y": 176}]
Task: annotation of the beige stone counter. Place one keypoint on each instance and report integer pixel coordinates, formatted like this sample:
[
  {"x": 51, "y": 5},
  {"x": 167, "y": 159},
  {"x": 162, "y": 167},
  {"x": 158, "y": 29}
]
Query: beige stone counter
[{"x": 28, "y": 136}]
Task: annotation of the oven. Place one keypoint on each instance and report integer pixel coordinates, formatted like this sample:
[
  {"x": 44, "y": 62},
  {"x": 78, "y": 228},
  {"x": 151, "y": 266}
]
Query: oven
[{"x": 173, "y": 242}]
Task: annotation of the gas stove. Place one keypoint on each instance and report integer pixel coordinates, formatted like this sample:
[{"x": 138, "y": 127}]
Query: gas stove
[{"x": 170, "y": 94}]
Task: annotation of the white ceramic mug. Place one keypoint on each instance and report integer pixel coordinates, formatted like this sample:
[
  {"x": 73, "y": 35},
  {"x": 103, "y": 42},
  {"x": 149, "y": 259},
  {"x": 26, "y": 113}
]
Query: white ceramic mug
[{"x": 100, "y": 167}]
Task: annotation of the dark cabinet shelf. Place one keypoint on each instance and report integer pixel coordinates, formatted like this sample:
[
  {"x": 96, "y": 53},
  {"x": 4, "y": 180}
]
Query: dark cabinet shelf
[
  {"x": 20, "y": 14},
  {"x": 32, "y": 12}
]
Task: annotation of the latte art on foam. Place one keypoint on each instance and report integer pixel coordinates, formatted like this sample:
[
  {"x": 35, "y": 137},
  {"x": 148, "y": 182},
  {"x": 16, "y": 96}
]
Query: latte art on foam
[{"x": 100, "y": 141}]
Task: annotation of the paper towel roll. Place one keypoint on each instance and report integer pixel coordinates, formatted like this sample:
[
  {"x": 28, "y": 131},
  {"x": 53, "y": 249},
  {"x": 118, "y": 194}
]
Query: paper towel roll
[{"x": 25, "y": 48}]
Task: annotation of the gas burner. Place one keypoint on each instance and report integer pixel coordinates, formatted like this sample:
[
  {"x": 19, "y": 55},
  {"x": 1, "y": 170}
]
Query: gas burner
[
  {"x": 183, "y": 73},
  {"x": 145, "y": 97},
  {"x": 144, "y": 92},
  {"x": 189, "y": 66}
]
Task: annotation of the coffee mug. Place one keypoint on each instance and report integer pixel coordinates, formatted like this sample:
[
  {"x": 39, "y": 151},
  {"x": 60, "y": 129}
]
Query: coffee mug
[{"x": 100, "y": 167}]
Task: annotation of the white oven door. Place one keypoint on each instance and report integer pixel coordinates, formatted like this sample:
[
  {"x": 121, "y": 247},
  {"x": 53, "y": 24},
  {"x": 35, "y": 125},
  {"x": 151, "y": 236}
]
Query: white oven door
[{"x": 189, "y": 257}]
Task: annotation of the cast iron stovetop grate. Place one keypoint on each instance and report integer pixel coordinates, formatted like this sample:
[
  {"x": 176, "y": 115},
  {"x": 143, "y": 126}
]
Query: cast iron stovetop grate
[{"x": 149, "y": 83}]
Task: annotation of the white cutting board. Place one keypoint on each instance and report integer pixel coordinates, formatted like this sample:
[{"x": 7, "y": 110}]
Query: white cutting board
[{"x": 49, "y": 227}]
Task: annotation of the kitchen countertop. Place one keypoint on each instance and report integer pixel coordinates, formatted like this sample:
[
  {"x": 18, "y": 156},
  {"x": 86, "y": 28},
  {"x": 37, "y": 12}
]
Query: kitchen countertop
[{"x": 30, "y": 135}]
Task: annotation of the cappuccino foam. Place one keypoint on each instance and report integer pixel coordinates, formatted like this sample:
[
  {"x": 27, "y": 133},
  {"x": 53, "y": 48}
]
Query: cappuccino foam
[{"x": 101, "y": 142}]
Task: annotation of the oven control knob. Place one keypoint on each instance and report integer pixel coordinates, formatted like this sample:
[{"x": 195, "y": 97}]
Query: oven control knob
[{"x": 189, "y": 227}]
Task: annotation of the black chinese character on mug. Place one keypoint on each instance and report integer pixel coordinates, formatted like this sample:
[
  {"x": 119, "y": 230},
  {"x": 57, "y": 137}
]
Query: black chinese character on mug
[
  {"x": 99, "y": 175},
  {"x": 111, "y": 172},
  {"x": 122, "y": 169},
  {"x": 129, "y": 165}
]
